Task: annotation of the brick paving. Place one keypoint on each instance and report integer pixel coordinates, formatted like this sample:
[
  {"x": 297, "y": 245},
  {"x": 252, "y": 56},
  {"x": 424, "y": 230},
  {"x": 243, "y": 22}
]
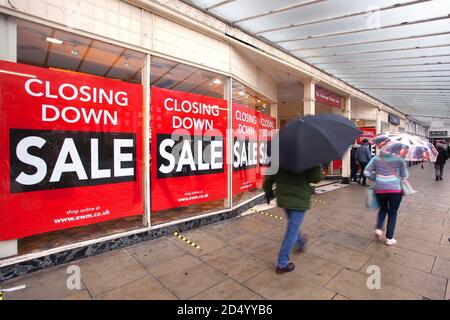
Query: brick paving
[{"x": 237, "y": 258}]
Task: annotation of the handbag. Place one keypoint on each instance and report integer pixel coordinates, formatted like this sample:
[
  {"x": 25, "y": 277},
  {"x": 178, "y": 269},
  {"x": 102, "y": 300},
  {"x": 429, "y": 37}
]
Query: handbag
[
  {"x": 406, "y": 187},
  {"x": 371, "y": 199}
]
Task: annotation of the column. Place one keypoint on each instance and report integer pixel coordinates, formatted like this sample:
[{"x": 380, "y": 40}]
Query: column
[
  {"x": 8, "y": 52},
  {"x": 146, "y": 146},
  {"x": 346, "y": 170},
  {"x": 228, "y": 95},
  {"x": 378, "y": 119},
  {"x": 378, "y": 127},
  {"x": 274, "y": 113},
  {"x": 309, "y": 97}
]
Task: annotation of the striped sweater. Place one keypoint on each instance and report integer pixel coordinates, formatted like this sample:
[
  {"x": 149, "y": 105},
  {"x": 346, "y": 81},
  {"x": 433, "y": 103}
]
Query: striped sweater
[{"x": 387, "y": 172}]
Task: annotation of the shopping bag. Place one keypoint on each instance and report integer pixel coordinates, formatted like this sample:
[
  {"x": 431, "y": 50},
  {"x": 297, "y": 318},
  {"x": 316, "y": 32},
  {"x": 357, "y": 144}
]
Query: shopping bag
[
  {"x": 407, "y": 189},
  {"x": 371, "y": 199}
]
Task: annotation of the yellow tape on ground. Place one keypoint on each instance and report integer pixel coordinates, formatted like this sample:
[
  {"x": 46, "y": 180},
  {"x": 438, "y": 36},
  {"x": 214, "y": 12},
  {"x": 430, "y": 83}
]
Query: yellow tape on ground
[
  {"x": 191, "y": 243},
  {"x": 268, "y": 214}
]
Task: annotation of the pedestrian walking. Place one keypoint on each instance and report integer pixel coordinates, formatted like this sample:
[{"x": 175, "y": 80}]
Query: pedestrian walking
[
  {"x": 440, "y": 161},
  {"x": 293, "y": 192},
  {"x": 305, "y": 145},
  {"x": 353, "y": 164},
  {"x": 387, "y": 171},
  {"x": 363, "y": 156}
]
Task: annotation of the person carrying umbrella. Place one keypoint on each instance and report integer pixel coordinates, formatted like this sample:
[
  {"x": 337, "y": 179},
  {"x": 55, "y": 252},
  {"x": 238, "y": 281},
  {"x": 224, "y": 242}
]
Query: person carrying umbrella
[
  {"x": 305, "y": 144},
  {"x": 388, "y": 170}
]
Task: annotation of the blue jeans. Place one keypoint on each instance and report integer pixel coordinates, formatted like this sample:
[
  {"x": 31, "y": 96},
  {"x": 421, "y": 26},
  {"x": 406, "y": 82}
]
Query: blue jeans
[
  {"x": 292, "y": 236},
  {"x": 389, "y": 204}
]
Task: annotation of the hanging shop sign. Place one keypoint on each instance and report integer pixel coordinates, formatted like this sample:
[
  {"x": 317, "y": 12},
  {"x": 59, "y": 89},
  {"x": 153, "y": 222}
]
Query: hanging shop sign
[
  {"x": 393, "y": 119},
  {"x": 70, "y": 147},
  {"x": 188, "y": 149},
  {"x": 328, "y": 98},
  {"x": 245, "y": 148},
  {"x": 266, "y": 130},
  {"x": 438, "y": 134}
]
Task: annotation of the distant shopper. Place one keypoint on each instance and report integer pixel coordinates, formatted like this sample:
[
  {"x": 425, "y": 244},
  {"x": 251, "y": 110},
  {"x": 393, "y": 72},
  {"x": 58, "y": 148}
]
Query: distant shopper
[
  {"x": 353, "y": 164},
  {"x": 440, "y": 162},
  {"x": 363, "y": 156},
  {"x": 293, "y": 193},
  {"x": 387, "y": 171}
]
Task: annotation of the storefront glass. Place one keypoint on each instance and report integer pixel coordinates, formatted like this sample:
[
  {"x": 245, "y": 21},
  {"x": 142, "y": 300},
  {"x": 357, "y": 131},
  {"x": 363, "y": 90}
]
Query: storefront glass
[
  {"x": 71, "y": 134},
  {"x": 189, "y": 121},
  {"x": 252, "y": 130}
]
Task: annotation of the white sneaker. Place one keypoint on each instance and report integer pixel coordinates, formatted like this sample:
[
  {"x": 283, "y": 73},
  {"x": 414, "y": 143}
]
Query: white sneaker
[
  {"x": 378, "y": 234},
  {"x": 390, "y": 242}
]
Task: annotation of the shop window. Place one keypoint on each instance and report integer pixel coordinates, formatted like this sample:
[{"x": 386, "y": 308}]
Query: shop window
[
  {"x": 48, "y": 47},
  {"x": 72, "y": 116},
  {"x": 189, "y": 120},
  {"x": 252, "y": 130}
]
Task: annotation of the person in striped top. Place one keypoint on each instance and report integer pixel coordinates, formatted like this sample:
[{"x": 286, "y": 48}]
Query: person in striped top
[{"x": 387, "y": 171}]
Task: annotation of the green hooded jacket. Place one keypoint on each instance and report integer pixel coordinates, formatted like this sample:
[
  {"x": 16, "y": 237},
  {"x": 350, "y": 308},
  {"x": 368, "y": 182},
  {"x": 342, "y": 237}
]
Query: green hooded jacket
[{"x": 293, "y": 190}]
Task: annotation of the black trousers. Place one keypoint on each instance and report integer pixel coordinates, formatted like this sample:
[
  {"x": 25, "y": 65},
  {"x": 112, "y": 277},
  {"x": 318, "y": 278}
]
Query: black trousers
[
  {"x": 389, "y": 204},
  {"x": 361, "y": 175}
]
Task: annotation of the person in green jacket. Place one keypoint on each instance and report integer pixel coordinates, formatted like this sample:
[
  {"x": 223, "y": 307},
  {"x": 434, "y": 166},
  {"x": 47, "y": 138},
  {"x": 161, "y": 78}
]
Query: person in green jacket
[{"x": 293, "y": 193}]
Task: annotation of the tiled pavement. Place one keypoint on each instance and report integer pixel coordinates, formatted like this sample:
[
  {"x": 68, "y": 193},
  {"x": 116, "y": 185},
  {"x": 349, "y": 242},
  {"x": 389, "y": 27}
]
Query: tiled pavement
[{"x": 237, "y": 257}]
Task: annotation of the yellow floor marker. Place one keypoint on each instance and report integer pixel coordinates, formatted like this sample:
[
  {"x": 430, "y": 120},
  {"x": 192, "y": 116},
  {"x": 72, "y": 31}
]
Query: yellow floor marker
[
  {"x": 179, "y": 236},
  {"x": 10, "y": 290},
  {"x": 319, "y": 201},
  {"x": 267, "y": 214}
]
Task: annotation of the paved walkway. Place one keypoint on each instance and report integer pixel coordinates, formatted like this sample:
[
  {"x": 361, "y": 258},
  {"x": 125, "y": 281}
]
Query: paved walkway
[{"x": 236, "y": 259}]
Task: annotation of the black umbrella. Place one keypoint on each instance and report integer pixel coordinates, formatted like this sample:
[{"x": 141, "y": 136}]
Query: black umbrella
[{"x": 313, "y": 140}]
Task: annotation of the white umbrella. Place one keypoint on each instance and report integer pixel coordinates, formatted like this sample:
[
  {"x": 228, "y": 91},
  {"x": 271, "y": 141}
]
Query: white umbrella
[{"x": 409, "y": 147}]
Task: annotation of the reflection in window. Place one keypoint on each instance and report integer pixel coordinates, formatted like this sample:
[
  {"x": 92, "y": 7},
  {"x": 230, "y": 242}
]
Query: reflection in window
[
  {"x": 48, "y": 47},
  {"x": 180, "y": 77},
  {"x": 176, "y": 76},
  {"x": 248, "y": 98}
]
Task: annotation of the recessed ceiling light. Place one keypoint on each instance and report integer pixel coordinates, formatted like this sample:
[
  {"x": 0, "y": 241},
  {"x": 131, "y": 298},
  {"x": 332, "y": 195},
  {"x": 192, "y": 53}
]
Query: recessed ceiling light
[
  {"x": 217, "y": 81},
  {"x": 126, "y": 61},
  {"x": 54, "y": 40}
]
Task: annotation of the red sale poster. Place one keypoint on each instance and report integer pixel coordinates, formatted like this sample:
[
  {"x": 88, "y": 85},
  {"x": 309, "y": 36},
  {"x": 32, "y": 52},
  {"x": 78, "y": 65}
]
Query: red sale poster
[
  {"x": 266, "y": 130},
  {"x": 188, "y": 149},
  {"x": 71, "y": 149},
  {"x": 245, "y": 148},
  {"x": 368, "y": 133}
]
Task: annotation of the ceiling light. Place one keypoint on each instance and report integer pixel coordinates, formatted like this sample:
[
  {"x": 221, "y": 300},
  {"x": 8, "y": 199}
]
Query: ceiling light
[
  {"x": 217, "y": 81},
  {"x": 74, "y": 51},
  {"x": 18, "y": 74},
  {"x": 54, "y": 40},
  {"x": 242, "y": 93}
]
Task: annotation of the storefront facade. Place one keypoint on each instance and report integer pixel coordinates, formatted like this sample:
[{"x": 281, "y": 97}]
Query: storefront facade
[{"x": 124, "y": 121}]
